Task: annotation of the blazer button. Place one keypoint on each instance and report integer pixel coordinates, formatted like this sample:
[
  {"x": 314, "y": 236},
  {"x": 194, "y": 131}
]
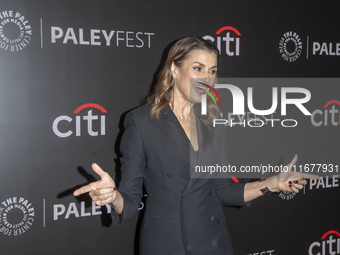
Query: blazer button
[
  {"x": 214, "y": 243},
  {"x": 209, "y": 193},
  {"x": 189, "y": 247},
  {"x": 170, "y": 175},
  {"x": 212, "y": 218},
  {"x": 185, "y": 221}
]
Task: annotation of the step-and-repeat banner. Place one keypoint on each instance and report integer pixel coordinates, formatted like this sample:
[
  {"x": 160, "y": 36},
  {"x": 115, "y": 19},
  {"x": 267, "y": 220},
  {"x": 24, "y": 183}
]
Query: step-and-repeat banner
[{"x": 70, "y": 70}]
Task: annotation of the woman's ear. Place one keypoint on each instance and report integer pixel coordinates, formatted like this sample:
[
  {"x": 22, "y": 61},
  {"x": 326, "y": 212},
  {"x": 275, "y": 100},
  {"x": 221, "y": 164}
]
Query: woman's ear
[{"x": 173, "y": 70}]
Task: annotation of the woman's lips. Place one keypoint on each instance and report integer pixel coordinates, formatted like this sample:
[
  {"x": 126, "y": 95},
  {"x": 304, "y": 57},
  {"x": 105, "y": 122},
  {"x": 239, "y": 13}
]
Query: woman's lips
[{"x": 198, "y": 90}]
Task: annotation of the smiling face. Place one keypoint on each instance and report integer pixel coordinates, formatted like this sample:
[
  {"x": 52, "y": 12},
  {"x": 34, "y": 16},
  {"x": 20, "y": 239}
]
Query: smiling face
[{"x": 201, "y": 65}]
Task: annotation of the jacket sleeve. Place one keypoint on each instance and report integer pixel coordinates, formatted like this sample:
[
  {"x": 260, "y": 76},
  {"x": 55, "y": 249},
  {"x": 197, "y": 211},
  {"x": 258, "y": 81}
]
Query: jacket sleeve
[
  {"x": 229, "y": 192},
  {"x": 133, "y": 162}
]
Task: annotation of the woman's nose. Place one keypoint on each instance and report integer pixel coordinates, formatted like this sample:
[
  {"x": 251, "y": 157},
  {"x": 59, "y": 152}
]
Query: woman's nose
[{"x": 208, "y": 79}]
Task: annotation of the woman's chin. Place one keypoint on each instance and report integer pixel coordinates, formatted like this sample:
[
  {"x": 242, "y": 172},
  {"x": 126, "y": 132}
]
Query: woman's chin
[
  {"x": 196, "y": 95},
  {"x": 196, "y": 99}
]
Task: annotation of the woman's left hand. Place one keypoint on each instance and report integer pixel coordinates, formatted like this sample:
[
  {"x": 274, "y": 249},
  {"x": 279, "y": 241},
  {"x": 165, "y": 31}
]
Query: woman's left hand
[{"x": 290, "y": 181}]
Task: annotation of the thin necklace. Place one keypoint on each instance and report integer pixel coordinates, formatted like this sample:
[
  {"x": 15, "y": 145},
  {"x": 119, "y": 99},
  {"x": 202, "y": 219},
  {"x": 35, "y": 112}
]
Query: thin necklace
[{"x": 182, "y": 115}]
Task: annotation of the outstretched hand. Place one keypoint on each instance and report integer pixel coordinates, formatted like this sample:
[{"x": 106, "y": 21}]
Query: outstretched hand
[
  {"x": 102, "y": 192},
  {"x": 291, "y": 181}
]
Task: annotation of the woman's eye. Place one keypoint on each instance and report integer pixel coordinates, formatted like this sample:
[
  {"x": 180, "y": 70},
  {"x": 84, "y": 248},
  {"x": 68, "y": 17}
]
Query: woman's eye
[
  {"x": 197, "y": 69},
  {"x": 213, "y": 71}
]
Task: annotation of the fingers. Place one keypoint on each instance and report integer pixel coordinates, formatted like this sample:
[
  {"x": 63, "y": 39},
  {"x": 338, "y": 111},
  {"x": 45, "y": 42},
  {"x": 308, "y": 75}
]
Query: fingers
[
  {"x": 296, "y": 185},
  {"x": 293, "y": 181},
  {"x": 300, "y": 182},
  {"x": 85, "y": 189},
  {"x": 293, "y": 162},
  {"x": 101, "y": 191},
  {"x": 298, "y": 175},
  {"x": 98, "y": 170},
  {"x": 287, "y": 172},
  {"x": 301, "y": 175},
  {"x": 94, "y": 185},
  {"x": 103, "y": 196},
  {"x": 105, "y": 201},
  {"x": 307, "y": 176},
  {"x": 292, "y": 185},
  {"x": 294, "y": 189}
]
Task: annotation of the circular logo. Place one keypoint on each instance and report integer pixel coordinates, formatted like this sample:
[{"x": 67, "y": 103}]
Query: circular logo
[
  {"x": 290, "y": 46},
  {"x": 15, "y": 32},
  {"x": 16, "y": 216},
  {"x": 285, "y": 195}
]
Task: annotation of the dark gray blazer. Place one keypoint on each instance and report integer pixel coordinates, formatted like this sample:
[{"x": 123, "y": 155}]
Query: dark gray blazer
[{"x": 183, "y": 215}]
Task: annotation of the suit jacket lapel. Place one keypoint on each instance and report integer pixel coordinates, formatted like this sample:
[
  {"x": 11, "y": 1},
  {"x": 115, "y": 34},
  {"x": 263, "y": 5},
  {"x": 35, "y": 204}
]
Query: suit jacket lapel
[
  {"x": 173, "y": 132},
  {"x": 205, "y": 139}
]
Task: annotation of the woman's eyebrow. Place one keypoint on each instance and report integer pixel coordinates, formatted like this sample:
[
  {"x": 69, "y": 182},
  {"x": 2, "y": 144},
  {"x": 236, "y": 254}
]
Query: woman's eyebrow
[
  {"x": 203, "y": 64},
  {"x": 199, "y": 63}
]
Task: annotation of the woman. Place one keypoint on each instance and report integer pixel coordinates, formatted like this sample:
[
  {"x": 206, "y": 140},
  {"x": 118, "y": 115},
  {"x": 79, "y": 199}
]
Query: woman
[{"x": 183, "y": 215}]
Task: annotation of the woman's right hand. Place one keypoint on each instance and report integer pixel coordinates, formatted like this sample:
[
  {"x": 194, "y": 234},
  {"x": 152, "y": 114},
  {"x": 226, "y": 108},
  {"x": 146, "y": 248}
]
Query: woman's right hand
[{"x": 103, "y": 192}]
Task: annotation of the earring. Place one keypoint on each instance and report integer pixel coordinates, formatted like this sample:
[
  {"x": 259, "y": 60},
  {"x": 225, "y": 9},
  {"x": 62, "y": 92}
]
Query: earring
[{"x": 173, "y": 81}]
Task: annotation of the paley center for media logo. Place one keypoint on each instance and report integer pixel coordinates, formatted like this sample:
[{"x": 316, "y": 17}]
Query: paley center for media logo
[
  {"x": 15, "y": 31},
  {"x": 238, "y": 99},
  {"x": 90, "y": 118},
  {"x": 290, "y": 47},
  {"x": 16, "y": 216}
]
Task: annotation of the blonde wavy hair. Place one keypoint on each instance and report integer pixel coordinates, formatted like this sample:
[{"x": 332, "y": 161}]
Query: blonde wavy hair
[{"x": 179, "y": 52}]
